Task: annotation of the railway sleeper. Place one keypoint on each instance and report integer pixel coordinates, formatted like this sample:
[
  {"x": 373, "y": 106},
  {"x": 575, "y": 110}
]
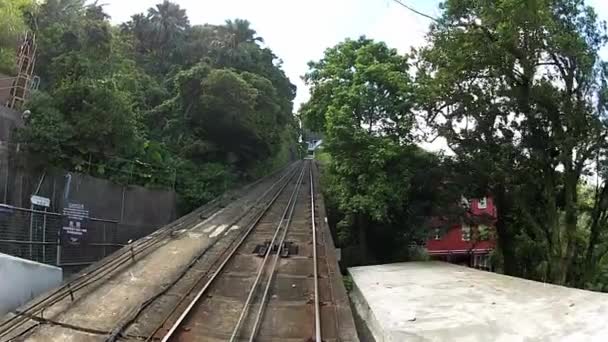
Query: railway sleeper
[{"x": 288, "y": 248}]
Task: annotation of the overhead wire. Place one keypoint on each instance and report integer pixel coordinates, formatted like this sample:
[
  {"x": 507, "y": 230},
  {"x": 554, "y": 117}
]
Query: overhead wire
[{"x": 412, "y": 9}]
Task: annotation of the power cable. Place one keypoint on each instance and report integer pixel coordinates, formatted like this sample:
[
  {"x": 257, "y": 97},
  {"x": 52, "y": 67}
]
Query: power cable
[{"x": 411, "y": 9}]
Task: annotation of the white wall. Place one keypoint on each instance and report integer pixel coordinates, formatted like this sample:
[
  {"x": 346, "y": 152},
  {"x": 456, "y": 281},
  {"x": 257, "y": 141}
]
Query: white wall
[{"x": 21, "y": 280}]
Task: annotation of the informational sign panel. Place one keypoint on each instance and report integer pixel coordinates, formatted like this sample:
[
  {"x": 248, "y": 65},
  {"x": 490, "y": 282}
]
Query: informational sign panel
[
  {"x": 41, "y": 201},
  {"x": 75, "y": 222}
]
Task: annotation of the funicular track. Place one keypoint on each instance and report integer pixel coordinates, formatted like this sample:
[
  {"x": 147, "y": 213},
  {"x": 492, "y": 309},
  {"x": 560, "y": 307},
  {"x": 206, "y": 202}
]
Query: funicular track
[{"x": 264, "y": 286}]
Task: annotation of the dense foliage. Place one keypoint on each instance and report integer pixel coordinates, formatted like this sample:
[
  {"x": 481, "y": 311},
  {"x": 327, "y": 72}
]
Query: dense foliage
[
  {"x": 518, "y": 91},
  {"x": 14, "y": 18},
  {"x": 382, "y": 183},
  {"x": 515, "y": 87},
  {"x": 156, "y": 100}
]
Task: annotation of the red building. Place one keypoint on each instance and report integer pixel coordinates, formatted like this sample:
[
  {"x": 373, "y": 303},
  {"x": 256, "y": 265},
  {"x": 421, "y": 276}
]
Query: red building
[{"x": 466, "y": 243}]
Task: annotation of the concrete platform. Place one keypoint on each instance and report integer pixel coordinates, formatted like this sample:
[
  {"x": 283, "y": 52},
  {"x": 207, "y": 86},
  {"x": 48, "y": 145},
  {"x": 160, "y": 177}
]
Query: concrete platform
[
  {"x": 435, "y": 301},
  {"x": 21, "y": 280}
]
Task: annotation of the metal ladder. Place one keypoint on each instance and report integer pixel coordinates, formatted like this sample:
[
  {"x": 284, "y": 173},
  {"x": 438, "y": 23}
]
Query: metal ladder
[{"x": 24, "y": 82}]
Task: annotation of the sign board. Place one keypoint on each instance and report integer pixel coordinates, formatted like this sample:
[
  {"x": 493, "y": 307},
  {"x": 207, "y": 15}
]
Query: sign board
[
  {"x": 75, "y": 223},
  {"x": 41, "y": 201}
]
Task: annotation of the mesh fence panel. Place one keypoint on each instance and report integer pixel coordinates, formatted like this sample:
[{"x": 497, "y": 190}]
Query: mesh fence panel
[
  {"x": 34, "y": 235},
  {"x": 29, "y": 234}
]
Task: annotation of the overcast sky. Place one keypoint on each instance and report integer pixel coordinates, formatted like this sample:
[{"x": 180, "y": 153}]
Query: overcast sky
[{"x": 299, "y": 31}]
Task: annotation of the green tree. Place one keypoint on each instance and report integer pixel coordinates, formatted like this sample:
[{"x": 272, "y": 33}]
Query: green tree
[
  {"x": 13, "y": 15},
  {"x": 222, "y": 114},
  {"x": 75, "y": 40},
  {"x": 79, "y": 121},
  {"x": 362, "y": 99},
  {"x": 157, "y": 101},
  {"x": 241, "y": 32},
  {"x": 511, "y": 86},
  {"x": 159, "y": 36}
]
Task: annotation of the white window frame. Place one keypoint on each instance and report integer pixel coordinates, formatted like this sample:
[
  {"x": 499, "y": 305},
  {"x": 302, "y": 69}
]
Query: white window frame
[
  {"x": 437, "y": 235},
  {"x": 466, "y": 232},
  {"x": 482, "y": 203}
]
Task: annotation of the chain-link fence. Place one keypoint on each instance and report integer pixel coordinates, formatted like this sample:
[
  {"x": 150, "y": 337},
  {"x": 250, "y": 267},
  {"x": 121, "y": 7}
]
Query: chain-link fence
[
  {"x": 35, "y": 235},
  {"x": 32, "y": 231}
]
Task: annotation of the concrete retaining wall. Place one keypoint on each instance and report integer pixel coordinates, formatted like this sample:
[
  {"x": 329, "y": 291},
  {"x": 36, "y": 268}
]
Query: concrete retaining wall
[{"x": 21, "y": 280}]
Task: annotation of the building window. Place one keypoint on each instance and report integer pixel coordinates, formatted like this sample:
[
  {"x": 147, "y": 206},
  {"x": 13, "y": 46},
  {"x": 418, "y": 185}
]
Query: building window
[
  {"x": 466, "y": 233},
  {"x": 437, "y": 234},
  {"x": 484, "y": 232},
  {"x": 483, "y": 203}
]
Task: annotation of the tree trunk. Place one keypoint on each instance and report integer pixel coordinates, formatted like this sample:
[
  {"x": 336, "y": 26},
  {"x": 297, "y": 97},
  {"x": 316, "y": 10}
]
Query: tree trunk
[
  {"x": 506, "y": 237},
  {"x": 362, "y": 225},
  {"x": 600, "y": 207},
  {"x": 571, "y": 222}
]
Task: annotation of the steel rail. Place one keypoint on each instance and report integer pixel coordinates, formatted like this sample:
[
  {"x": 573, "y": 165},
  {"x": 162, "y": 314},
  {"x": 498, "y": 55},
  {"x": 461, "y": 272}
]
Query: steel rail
[
  {"x": 111, "y": 263},
  {"x": 286, "y": 217},
  {"x": 329, "y": 273},
  {"x": 260, "y": 313},
  {"x": 314, "y": 257},
  {"x": 184, "y": 315}
]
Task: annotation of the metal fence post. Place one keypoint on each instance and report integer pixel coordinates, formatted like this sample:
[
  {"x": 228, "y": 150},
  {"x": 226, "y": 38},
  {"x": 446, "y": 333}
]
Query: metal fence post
[
  {"x": 31, "y": 231},
  {"x": 6, "y": 186},
  {"x": 122, "y": 204},
  {"x": 58, "y": 257},
  {"x": 44, "y": 236},
  {"x": 105, "y": 240}
]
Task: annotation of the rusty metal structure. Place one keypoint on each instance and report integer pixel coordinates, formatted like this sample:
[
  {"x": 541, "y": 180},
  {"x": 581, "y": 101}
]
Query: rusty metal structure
[{"x": 24, "y": 82}]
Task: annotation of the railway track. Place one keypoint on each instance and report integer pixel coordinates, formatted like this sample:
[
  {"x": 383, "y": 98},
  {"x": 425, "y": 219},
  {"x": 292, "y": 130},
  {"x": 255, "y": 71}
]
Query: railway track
[{"x": 267, "y": 285}]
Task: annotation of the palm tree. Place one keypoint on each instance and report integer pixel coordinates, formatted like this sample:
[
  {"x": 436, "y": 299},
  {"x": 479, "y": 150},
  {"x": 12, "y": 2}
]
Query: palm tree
[
  {"x": 242, "y": 32},
  {"x": 95, "y": 11},
  {"x": 141, "y": 28},
  {"x": 169, "y": 21}
]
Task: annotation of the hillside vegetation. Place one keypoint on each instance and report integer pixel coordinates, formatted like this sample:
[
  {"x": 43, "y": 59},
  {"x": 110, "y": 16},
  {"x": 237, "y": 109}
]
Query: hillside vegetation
[{"x": 156, "y": 101}]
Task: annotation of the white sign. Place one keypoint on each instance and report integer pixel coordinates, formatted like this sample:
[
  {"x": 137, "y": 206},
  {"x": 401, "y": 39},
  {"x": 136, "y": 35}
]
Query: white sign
[{"x": 41, "y": 201}]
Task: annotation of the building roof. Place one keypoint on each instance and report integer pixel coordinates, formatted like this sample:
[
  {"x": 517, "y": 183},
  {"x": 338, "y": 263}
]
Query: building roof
[{"x": 435, "y": 301}]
